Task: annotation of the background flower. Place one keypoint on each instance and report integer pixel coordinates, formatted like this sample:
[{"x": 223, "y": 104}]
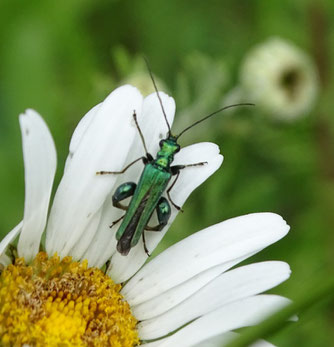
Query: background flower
[{"x": 280, "y": 78}]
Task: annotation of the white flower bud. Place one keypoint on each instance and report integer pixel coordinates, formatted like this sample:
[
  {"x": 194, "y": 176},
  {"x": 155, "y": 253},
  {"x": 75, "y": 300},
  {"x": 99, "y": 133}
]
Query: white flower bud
[{"x": 280, "y": 78}]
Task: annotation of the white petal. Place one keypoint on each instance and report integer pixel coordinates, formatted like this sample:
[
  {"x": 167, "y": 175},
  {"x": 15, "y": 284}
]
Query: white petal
[
  {"x": 172, "y": 297},
  {"x": 232, "y": 286},
  {"x": 40, "y": 162},
  {"x": 153, "y": 127},
  {"x": 10, "y": 237},
  {"x": 79, "y": 131},
  {"x": 262, "y": 343},
  {"x": 216, "y": 341},
  {"x": 223, "y": 339},
  {"x": 215, "y": 245},
  {"x": 103, "y": 244},
  {"x": 123, "y": 268},
  {"x": 85, "y": 240},
  {"x": 238, "y": 314},
  {"x": 152, "y": 344},
  {"x": 192, "y": 177},
  {"x": 108, "y": 136},
  {"x": 5, "y": 260}
]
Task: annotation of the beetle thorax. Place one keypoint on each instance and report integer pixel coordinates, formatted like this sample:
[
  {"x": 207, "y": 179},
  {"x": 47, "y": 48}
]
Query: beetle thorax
[{"x": 165, "y": 156}]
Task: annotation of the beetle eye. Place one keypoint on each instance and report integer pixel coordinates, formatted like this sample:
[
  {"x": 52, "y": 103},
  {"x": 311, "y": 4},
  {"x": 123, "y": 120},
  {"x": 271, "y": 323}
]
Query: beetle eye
[
  {"x": 177, "y": 149},
  {"x": 161, "y": 143}
]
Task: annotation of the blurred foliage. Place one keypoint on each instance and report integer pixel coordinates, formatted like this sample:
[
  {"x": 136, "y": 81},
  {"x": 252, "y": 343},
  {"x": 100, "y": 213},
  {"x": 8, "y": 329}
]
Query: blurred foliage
[{"x": 63, "y": 57}]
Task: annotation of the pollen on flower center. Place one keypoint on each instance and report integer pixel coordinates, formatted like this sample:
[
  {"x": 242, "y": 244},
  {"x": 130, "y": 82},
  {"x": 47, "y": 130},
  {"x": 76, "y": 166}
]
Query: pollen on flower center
[{"x": 60, "y": 302}]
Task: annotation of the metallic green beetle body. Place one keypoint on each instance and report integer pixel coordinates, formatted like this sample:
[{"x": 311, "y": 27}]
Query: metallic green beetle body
[
  {"x": 152, "y": 184},
  {"x": 146, "y": 196}
]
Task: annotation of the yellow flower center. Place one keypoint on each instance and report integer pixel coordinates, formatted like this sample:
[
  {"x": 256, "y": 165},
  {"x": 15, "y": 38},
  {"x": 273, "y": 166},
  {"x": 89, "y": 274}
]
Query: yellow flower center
[{"x": 55, "y": 302}]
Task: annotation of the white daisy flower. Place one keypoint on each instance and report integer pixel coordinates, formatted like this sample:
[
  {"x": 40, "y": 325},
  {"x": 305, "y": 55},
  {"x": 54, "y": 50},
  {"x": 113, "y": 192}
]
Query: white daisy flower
[
  {"x": 279, "y": 78},
  {"x": 61, "y": 297}
]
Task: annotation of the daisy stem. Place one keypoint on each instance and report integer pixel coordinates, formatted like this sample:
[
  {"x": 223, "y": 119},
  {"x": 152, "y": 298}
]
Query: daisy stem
[{"x": 323, "y": 288}]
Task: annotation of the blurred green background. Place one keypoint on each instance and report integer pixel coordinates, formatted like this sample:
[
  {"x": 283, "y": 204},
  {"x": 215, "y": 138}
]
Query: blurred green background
[{"x": 62, "y": 57}]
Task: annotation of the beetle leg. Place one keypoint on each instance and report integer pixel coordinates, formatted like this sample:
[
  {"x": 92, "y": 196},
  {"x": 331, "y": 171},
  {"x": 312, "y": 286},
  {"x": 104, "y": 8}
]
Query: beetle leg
[
  {"x": 116, "y": 221},
  {"x": 170, "y": 188},
  {"x": 144, "y": 243},
  {"x": 124, "y": 191},
  {"x": 176, "y": 168},
  {"x": 141, "y": 135},
  {"x": 163, "y": 211},
  {"x": 144, "y": 159}
]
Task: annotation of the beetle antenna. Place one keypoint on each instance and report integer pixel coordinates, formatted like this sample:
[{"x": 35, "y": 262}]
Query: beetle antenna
[
  {"x": 158, "y": 95},
  {"x": 212, "y": 114}
]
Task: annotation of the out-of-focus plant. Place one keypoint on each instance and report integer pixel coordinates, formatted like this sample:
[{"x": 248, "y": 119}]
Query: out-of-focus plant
[
  {"x": 133, "y": 70},
  {"x": 279, "y": 78},
  {"x": 200, "y": 83}
]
